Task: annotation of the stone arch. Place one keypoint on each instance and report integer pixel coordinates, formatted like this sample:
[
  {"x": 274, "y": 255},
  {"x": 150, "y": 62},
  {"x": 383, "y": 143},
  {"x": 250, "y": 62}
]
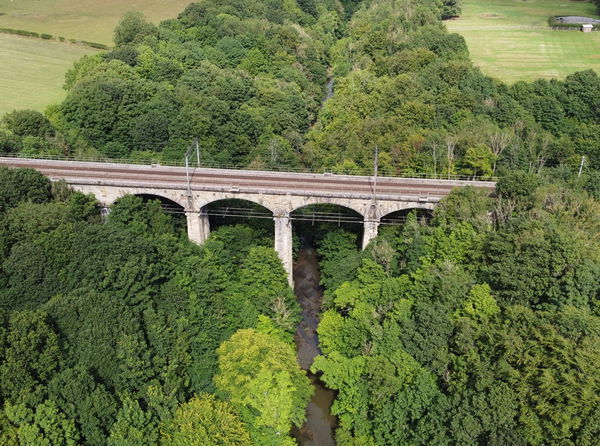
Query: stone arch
[
  {"x": 389, "y": 207},
  {"x": 169, "y": 205},
  {"x": 199, "y": 223},
  {"x": 349, "y": 215},
  {"x": 204, "y": 201},
  {"x": 353, "y": 205},
  {"x": 357, "y": 212},
  {"x": 164, "y": 195},
  {"x": 235, "y": 208},
  {"x": 397, "y": 216}
]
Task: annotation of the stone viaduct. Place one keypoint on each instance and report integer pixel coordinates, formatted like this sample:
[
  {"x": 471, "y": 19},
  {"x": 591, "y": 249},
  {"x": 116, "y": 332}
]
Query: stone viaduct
[{"x": 281, "y": 193}]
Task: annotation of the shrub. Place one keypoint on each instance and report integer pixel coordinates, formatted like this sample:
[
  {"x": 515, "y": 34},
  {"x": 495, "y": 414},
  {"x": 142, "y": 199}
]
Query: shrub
[
  {"x": 19, "y": 32},
  {"x": 96, "y": 45}
]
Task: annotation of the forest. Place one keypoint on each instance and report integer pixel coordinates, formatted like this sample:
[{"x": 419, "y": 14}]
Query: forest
[
  {"x": 122, "y": 332},
  {"x": 248, "y": 80},
  {"x": 476, "y": 325}
]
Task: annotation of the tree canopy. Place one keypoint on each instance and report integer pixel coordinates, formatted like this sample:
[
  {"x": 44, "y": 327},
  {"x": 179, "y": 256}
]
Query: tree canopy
[{"x": 110, "y": 327}]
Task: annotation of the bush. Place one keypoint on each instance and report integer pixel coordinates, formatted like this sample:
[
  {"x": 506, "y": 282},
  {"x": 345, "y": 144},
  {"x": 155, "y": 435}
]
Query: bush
[
  {"x": 28, "y": 123},
  {"x": 46, "y": 36},
  {"x": 517, "y": 185},
  {"x": 19, "y": 32},
  {"x": 96, "y": 45},
  {"x": 132, "y": 28}
]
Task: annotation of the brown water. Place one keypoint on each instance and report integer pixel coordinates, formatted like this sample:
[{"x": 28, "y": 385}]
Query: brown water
[{"x": 320, "y": 424}]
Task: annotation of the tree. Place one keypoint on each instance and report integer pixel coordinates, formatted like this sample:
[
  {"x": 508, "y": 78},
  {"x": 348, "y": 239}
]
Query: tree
[
  {"x": 44, "y": 426},
  {"x": 30, "y": 358},
  {"x": 100, "y": 330},
  {"x": 541, "y": 264},
  {"x": 552, "y": 370},
  {"x": 517, "y": 185},
  {"x": 141, "y": 217},
  {"x": 133, "y": 426},
  {"x": 28, "y": 123},
  {"x": 339, "y": 258},
  {"x": 8, "y": 432},
  {"x": 479, "y": 161},
  {"x": 101, "y": 108},
  {"x": 264, "y": 283},
  {"x": 450, "y": 9},
  {"x": 260, "y": 377},
  {"x": 29, "y": 220},
  {"x": 133, "y": 28},
  {"x": 206, "y": 421},
  {"x": 78, "y": 395},
  {"x": 18, "y": 185}
]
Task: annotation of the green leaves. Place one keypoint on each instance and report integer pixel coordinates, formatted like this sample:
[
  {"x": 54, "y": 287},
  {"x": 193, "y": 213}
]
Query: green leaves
[
  {"x": 259, "y": 376},
  {"x": 133, "y": 426},
  {"x": 22, "y": 185},
  {"x": 554, "y": 376},
  {"x": 46, "y": 426},
  {"x": 480, "y": 305},
  {"x": 206, "y": 421},
  {"x": 541, "y": 264},
  {"x": 30, "y": 357}
]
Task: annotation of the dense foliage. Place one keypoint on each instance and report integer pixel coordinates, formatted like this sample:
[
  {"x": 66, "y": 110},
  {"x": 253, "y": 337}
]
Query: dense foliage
[
  {"x": 244, "y": 77},
  {"x": 403, "y": 83},
  {"x": 479, "y": 328},
  {"x": 109, "y": 329},
  {"x": 248, "y": 79}
]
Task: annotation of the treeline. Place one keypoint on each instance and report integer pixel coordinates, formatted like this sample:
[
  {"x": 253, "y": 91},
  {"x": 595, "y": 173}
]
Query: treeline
[
  {"x": 125, "y": 333},
  {"x": 480, "y": 326},
  {"x": 248, "y": 80},
  {"x": 406, "y": 85}
]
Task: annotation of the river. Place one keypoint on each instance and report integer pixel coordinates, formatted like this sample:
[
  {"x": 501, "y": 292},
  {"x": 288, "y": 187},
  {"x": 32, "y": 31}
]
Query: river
[{"x": 320, "y": 424}]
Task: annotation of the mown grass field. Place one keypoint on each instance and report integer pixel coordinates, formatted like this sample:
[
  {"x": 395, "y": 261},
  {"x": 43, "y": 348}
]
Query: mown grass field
[
  {"x": 32, "y": 71},
  {"x": 510, "y": 39},
  {"x": 91, "y": 20}
]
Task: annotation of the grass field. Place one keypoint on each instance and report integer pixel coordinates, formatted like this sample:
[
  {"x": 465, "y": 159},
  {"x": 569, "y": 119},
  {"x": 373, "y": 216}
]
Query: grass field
[
  {"x": 91, "y": 20},
  {"x": 510, "y": 39},
  {"x": 33, "y": 70}
]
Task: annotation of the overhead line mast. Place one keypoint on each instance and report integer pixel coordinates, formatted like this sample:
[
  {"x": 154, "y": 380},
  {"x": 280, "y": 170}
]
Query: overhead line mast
[{"x": 194, "y": 145}]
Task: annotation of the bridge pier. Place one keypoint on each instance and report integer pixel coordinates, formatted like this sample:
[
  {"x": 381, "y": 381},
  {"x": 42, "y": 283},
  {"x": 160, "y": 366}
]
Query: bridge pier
[
  {"x": 198, "y": 226},
  {"x": 370, "y": 228},
  {"x": 283, "y": 244}
]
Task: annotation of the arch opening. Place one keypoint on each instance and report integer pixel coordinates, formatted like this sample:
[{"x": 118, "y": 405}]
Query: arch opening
[
  {"x": 169, "y": 207},
  {"x": 399, "y": 217},
  {"x": 312, "y": 223},
  {"x": 235, "y": 211}
]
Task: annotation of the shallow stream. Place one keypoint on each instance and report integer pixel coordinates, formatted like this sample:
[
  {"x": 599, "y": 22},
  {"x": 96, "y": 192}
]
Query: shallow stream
[{"x": 320, "y": 424}]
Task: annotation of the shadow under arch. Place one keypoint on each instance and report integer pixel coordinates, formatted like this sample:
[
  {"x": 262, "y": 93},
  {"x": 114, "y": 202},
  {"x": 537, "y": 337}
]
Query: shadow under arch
[
  {"x": 312, "y": 222},
  {"x": 399, "y": 217},
  {"x": 232, "y": 211},
  {"x": 174, "y": 210},
  {"x": 168, "y": 205}
]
